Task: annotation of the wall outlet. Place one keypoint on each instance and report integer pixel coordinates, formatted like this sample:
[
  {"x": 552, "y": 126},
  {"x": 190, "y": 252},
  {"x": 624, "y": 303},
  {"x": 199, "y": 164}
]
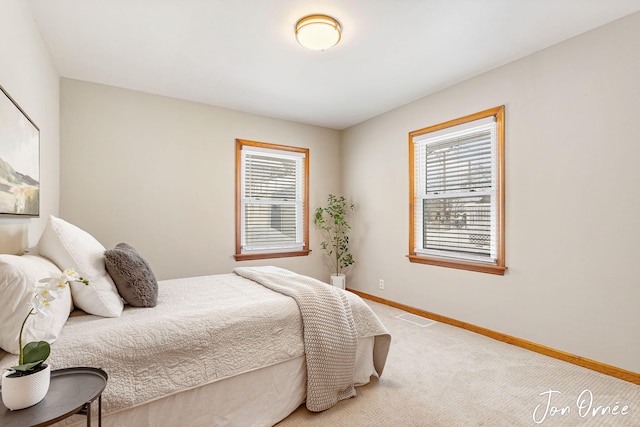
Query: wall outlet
[{"x": 381, "y": 283}]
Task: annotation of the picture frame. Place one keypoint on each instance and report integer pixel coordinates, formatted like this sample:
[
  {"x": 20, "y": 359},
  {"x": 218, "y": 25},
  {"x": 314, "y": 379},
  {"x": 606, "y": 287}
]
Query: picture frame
[{"x": 19, "y": 160}]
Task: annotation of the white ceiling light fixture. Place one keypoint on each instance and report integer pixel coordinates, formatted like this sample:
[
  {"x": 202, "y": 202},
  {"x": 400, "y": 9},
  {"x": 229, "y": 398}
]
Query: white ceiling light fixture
[{"x": 318, "y": 32}]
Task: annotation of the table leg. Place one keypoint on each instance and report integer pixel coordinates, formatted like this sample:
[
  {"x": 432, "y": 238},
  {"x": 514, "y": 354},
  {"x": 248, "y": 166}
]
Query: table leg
[
  {"x": 100, "y": 410},
  {"x": 88, "y": 406}
]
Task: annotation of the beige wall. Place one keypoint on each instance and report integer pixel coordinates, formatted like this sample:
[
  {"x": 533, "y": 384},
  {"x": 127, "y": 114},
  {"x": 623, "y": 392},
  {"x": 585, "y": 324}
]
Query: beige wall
[
  {"x": 572, "y": 200},
  {"x": 159, "y": 174},
  {"x": 29, "y": 76}
]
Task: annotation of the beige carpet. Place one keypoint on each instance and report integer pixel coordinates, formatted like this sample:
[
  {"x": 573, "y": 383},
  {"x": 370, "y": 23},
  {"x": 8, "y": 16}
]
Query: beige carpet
[{"x": 440, "y": 375}]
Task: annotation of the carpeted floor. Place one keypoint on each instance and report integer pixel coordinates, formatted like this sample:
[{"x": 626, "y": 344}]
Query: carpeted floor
[{"x": 440, "y": 375}]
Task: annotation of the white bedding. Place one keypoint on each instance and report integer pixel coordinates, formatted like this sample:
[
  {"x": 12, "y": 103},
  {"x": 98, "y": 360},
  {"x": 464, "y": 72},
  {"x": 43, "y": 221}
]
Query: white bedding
[
  {"x": 259, "y": 398},
  {"x": 202, "y": 330}
]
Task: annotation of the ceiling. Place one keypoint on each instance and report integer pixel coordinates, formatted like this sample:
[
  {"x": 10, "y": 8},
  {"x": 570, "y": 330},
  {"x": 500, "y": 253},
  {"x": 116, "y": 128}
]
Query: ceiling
[{"x": 243, "y": 54}]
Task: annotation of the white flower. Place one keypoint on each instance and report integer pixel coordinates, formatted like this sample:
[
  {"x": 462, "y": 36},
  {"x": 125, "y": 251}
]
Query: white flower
[
  {"x": 61, "y": 281},
  {"x": 70, "y": 275},
  {"x": 44, "y": 292},
  {"x": 42, "y": 298},
  {"x": 56, "y": 281}
]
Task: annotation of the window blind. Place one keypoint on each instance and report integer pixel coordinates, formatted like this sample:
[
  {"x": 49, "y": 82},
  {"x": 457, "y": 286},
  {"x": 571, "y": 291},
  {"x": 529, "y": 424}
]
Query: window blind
[
  {"x": 272, "y": 200},
  {"x": 456, "y": 192}
]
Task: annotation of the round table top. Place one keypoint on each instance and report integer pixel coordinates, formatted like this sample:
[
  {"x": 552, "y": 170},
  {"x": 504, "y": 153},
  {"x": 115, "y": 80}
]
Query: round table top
[{"x": 69, "y": 390}]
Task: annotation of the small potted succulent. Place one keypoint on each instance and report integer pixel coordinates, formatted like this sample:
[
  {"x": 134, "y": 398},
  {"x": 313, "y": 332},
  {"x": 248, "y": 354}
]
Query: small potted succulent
[{"x": 332, "y": 220}]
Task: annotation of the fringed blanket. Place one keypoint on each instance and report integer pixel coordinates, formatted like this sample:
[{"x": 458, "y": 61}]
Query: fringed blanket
[{"x": 329, "y": 332}]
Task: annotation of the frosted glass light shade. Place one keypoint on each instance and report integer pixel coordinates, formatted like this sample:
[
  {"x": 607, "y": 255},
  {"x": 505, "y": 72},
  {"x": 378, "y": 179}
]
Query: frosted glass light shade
[{"x": 318, "y": 32}]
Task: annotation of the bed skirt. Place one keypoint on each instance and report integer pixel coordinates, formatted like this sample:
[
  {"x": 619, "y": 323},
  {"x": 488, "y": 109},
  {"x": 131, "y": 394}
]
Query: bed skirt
[{"x": 258, "y": 398}]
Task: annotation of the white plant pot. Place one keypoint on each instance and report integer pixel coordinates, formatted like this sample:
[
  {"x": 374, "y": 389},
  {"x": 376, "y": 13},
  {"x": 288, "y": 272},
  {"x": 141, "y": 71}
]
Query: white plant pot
[
  {"x": 338, "y": 281},
  {"x": 25, "y": 391}
]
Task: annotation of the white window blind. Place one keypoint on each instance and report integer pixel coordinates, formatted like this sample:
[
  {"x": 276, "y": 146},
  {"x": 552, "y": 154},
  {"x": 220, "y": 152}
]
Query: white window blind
[
  {"x": 455, "y": 198},
  {"x": 272, "y": 200}
]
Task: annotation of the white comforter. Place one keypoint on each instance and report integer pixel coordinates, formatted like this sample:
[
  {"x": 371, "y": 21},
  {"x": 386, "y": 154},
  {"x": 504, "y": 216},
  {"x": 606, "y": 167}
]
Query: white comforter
[{"x": 203, "y": 329}]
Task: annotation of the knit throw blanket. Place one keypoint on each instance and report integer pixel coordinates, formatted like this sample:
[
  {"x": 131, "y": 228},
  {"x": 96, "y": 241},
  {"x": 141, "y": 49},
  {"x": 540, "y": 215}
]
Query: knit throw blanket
[{"x": 329, "y": 332}]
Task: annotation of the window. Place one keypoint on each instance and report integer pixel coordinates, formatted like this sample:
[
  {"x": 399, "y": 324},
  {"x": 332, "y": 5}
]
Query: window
[
  {"x": 272, "y": 216},
  {"x": 457, "y": 193}
]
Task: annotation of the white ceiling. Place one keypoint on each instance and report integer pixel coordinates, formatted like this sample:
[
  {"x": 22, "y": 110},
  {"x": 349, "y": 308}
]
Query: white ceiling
[{"x": 242, "y": 54}]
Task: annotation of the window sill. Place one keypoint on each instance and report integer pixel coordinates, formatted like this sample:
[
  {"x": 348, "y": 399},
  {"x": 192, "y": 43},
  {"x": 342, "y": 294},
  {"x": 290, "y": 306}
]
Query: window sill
[
  {"x": 460, "y": 265},
  {"x": 249, "y": 257}
]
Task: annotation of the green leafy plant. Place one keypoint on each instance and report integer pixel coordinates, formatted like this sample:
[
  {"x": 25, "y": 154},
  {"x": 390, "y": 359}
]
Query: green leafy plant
[
  {"x": 33, "y": 354},
  {"x": 332, "y": 220}
]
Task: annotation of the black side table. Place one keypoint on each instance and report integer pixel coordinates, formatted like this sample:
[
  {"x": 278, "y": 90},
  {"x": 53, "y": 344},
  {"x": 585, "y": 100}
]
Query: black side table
[{"x": 71, "y": 392}]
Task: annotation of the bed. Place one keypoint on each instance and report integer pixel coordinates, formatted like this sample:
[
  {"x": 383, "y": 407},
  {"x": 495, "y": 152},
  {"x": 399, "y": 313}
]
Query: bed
[{"x": 222, "y": 350}]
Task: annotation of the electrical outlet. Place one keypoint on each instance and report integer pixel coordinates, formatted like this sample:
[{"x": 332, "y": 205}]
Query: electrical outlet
[{"x": 381, "y": 283}]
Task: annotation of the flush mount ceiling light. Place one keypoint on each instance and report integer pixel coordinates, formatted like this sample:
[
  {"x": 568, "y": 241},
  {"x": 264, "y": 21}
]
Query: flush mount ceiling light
[{"x": 318, "y": 32}]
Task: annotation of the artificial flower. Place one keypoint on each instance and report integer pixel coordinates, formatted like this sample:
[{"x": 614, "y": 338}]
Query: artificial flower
[{"x": 33, "y": 354}]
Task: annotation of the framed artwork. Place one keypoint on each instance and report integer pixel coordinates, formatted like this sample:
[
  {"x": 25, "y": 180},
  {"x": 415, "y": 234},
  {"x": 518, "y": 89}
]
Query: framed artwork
[{"x": 19, "y": 160}]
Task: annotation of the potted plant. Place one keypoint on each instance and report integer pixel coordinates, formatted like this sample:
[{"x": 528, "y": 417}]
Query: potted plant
[
  {"x": 27, "y": 383},
  {"x": 332, "y": 220}
]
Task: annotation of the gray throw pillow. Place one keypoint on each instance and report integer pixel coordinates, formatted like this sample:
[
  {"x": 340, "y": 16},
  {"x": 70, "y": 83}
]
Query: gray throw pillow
[{"x": 132, "y": 275}]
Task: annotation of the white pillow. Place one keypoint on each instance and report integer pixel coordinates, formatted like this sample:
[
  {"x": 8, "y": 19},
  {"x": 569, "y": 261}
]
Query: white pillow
[
  {"x": 70, "y": 247},
  {"x": 18, "y": 276}
]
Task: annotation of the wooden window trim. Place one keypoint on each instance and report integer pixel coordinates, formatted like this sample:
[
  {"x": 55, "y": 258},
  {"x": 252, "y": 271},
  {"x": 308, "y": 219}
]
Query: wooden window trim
[
  {"x": 239, "y": 256},
  {"x": 500, "y": 267}
]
